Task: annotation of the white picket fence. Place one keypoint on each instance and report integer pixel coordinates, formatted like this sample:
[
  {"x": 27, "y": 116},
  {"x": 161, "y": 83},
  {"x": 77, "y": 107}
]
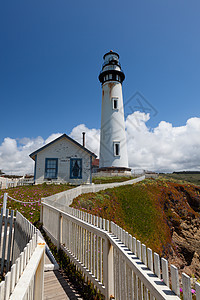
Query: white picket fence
[
  {"x": 64, "y": 199},
  {"x": 6, "y": 183},
  {"x": 118, "y": 265},
  {"x": 24, "y": 280}
]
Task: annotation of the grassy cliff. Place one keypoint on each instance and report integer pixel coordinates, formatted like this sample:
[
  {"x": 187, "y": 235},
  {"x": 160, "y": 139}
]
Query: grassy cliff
[{"x": 162, "y": 214}]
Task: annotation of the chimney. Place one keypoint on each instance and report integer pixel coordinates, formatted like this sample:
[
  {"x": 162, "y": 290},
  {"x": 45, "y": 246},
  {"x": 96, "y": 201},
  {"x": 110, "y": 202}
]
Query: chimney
[{"x": 83, "y": 133}]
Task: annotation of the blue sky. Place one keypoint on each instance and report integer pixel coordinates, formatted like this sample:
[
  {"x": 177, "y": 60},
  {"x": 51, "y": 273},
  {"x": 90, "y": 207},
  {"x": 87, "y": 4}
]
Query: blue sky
[{"x": 51, "y": 55}]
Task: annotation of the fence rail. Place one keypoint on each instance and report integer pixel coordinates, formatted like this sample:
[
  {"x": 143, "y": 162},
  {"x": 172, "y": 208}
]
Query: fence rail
[{"x": 117, "y": 264}]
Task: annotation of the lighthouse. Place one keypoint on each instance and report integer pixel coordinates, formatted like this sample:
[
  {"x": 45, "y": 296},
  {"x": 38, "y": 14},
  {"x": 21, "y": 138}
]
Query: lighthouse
[{"x": 113, "y": 156}]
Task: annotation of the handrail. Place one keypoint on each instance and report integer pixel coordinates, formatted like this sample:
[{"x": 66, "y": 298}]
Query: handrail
[
  {"x": 32, "y": 277},
  {"x": 27, "y": 251}
]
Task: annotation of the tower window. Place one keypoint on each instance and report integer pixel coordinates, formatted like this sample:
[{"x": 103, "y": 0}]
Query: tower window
[
  {"x": 107, "y": 77},
  {"x": 115, "y": 103},
  {"x": 116, "y": 148},
  {"x": 117, "y": 77},
  {"x": 110, "y": 76}
]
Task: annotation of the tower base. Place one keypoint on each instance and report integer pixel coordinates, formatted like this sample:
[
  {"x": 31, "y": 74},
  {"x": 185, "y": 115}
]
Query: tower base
[{"x": 113, "y": 171}]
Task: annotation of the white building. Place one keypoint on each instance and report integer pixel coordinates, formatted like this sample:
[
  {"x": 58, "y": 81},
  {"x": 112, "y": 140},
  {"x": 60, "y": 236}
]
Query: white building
[
  {"x": 113, "y": 149},
  {"x": 63, "y": 160}
]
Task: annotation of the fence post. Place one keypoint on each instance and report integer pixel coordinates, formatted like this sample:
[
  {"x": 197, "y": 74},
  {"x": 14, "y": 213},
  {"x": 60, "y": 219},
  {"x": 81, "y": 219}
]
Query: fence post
[
  {"x": 187, "y": 295},
  {"x": 108, "y": 266},
  {"x": 197, "y": 287},
  {"x": 41, "y": 211},
  {"x": 175, "y": 280},
  {"x": 5, "y": 197},
  {"x": 59, "y": 238}
]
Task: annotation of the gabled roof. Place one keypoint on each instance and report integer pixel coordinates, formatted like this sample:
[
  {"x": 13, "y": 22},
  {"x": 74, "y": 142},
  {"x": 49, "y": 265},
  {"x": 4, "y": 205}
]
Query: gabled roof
[{"x": 32, "y": 155}]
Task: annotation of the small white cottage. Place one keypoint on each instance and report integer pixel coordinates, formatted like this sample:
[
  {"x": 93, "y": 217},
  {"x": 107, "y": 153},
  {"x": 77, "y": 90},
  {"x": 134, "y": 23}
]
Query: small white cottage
[{"x": 63, "y": 160}]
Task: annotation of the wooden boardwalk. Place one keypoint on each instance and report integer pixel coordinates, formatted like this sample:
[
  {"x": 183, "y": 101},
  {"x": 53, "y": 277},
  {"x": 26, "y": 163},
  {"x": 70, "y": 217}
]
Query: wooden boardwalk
[{"x": 57, "y": 286}]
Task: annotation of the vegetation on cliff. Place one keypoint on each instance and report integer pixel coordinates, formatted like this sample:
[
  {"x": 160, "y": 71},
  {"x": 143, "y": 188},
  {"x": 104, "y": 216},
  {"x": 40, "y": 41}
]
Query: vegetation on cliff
[
  {"x": 101, "y": 180},
  {"x": 162, "y": 214}
]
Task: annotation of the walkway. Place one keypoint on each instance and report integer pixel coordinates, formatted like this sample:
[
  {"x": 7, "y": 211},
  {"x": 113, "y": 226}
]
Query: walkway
[{"x": 57, "y": 286}]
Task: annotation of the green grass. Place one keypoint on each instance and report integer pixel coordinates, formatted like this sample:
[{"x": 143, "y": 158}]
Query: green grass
[
  {"x": 101, "y": 180},
  {"x": 183, "y": 177}
]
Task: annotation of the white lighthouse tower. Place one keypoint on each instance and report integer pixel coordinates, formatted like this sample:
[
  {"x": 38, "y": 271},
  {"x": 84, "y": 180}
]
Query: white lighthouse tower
[{"x": 113, "y": 149}]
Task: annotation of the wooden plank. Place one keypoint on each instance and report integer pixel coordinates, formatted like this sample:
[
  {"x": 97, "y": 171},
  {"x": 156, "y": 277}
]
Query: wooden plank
[
  {"x": 13, "y": 277},
  {"x": 144, "y": 254},
  {"x": 5, "y": 197},
  {"x": 104, "y": 224},
  {"x": 2, "y": 289},
  {"x": 57, "y": 287},
  {"x": 17, "y": 269},
  {"x": 4, "y": 242},
  {"x": 9, "y": 240},
  {"x": 108, "y": 225},
  {"x": 123, "y": 236},
  {"x": 127, "y": 239},
  {"x": 88, "y": 248},
  {"x": 120, "y": 276},
  {"x": 165, "y": 272},
  {"x": 197, "y": 287},
  {"x": 175, "y": 280},
  {"x": 97, "y": 257},
  {"x": 150, "y": 259},
  {"x": 21, "y": 263},
  {"x": 13, "y": 244},
  {"x": 1, "y": 224},
  {"x": 7, "y": 285},
  {"x": 28, "y": 252},
  {"x": 130, "y": 246},
  {"x": 25, "y": 257},
  {"x": 187, "y": 295},
  {"x": 134, "y": 246},
  {"x": 139, "y": 252},
  {"x": 94, "y": 257},
  {"x": 101, "y": 260},
  {"x": 157, "y": 264}
]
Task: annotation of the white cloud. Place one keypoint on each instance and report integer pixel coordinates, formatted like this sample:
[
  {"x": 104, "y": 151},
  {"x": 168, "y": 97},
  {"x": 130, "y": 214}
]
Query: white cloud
[
  {"x": 14, "y": 154},
  {"x": 164, "y": 148},
  {"x": 92, "y": 137}
]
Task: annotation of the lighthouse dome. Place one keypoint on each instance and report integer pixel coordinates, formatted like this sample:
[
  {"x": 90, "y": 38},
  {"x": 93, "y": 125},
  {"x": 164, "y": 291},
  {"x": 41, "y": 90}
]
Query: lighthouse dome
[{"x": 111, "y": 68}]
